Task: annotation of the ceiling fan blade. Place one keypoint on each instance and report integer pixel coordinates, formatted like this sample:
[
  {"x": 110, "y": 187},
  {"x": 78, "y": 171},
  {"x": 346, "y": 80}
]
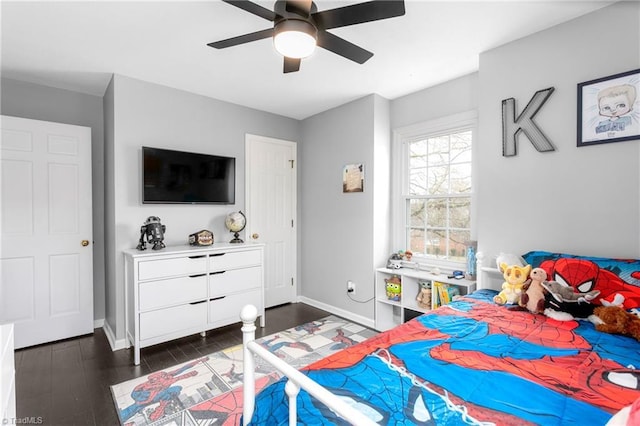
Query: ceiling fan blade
[
  {"x": 253, "y": 8},
  {"x": 358, "y": 13},
  {"x": 291, "y": 64},
  {"x": 299, "y": 7},
  {"x": 246, "y": 38},
  {"x": 342, "y": 47}
]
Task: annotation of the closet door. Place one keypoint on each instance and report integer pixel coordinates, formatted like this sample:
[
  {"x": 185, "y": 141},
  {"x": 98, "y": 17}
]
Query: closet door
[{"x": 46, "y": 258}]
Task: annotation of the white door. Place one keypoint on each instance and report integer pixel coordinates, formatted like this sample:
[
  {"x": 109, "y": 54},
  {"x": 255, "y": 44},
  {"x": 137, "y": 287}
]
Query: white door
[
  {"x": 271, "y": 212},
  {"x": 46, "y": 259}
]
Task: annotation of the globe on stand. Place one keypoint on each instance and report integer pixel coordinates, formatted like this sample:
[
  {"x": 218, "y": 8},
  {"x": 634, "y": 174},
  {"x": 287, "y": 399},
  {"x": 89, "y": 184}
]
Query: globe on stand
[{"x": 235, "y": 222}]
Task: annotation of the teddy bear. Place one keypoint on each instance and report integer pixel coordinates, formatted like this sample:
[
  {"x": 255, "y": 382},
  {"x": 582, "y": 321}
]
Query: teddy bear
[
  {"x": 424, "y": 295},
  {"x": 514, "y": 278},
  {"x": 615, "y": 320},
  {"x": 532, "y": 297}
]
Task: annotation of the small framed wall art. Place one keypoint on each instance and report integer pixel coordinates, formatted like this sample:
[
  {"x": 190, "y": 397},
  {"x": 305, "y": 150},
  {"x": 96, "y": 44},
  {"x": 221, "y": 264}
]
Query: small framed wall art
[
  {"x": 353, "y": 178},
  {"x": 609, "y": 109}
]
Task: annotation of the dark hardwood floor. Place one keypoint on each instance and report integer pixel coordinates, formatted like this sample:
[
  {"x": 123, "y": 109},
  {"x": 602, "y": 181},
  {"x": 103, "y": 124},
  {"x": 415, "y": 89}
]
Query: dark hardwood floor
[{"x": 68, "y": 382}]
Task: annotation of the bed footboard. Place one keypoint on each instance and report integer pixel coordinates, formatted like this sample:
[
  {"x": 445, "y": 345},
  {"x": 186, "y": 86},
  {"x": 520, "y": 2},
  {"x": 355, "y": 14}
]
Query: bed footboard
[{"x": 296, "y": 380}]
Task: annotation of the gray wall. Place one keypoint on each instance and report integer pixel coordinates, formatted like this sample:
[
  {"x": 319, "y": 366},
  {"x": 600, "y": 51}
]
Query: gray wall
[
  {"x": 577, "y": 200},
  {"x": 342, "y": 236},
  {"x": 146, "y": 114},
  {"x": 449, "y": 98},
  {"x": 37, "y": 102}
]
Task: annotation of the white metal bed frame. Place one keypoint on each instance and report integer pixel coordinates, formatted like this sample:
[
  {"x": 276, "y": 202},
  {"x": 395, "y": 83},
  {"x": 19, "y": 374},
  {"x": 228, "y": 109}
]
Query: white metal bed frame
[{"x": 297, "y": 380}]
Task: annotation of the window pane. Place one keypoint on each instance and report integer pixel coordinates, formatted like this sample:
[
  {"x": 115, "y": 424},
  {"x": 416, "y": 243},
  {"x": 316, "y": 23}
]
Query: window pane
[
  {"x": 461, "y": 178},
  {"x": 416, "y": 240},
  {"x": 460, "y": 212},
  {"x": 461, "y": 147},
  {"x": 438, "y": 180},
  {"x": 436, "y": 243},
  {"x": 438, "y": 149},
  {"x": 457, "y": 248},
  {"x": 418, "y": 181},
  {"x": 437, "y": 213},
  {"x": 418, "y": 149},
  {"x": 418, "y": 211}
]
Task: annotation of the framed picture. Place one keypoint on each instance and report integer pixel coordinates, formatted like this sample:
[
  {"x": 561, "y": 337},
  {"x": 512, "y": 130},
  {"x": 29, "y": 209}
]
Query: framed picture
[
  {"x": 609, "y": 109},
  {"x": 353, "y": 178}
]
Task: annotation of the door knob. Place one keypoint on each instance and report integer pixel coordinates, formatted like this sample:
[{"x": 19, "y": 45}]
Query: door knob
[
  {"x": 84, "y": 243},
  {"x": 255, "y": 236}
]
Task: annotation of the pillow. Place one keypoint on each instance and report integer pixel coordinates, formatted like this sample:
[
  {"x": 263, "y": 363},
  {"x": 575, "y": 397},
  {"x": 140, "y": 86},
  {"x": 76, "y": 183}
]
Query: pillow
[{"x": 617, "y": 279}]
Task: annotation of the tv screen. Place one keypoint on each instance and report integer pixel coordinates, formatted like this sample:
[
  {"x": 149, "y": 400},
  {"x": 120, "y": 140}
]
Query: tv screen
[{"x": 186, "y": 177}]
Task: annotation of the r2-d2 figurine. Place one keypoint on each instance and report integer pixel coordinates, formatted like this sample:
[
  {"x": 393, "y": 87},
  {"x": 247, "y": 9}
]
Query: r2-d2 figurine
[{"x": 154, "y": 232}]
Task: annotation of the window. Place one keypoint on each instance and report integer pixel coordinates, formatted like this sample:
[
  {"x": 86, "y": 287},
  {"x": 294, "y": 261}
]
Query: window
[{"x": 435, "y": 175}]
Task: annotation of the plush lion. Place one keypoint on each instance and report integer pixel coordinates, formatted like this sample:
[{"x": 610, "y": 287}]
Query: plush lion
[
  {"x": 514, "y": 278},
  {"x": 615, "y": 320}
]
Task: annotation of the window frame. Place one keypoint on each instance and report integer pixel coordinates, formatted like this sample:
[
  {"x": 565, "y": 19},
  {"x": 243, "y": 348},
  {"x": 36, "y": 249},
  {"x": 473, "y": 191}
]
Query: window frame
[{"x": 400, "y": 178}]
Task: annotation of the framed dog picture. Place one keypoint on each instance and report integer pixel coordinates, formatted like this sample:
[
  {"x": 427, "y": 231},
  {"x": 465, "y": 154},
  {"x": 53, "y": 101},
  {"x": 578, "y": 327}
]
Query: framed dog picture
[{"x": 609, "y": 109}]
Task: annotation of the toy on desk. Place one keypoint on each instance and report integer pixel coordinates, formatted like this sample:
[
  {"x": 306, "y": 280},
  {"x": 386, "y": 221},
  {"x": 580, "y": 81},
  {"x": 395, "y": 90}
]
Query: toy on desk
[
  {"x": 395, "y": 261},
  {"x": 154, "y": 231},
  {"x": 457, "y": 275},
  {"x": 393, "y": 288},
  {"x": 201, "y": 238}
]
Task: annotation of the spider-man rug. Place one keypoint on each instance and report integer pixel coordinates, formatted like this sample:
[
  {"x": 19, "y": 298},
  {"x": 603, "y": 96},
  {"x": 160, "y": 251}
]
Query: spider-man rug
[{"x": 208, "y": 390}]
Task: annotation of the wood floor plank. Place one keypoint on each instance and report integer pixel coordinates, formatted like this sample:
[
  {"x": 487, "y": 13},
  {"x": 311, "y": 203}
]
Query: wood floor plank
[{"x": 68, "y": 382}]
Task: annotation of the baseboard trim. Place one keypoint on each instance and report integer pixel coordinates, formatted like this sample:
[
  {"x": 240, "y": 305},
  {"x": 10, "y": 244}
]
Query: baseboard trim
[
  {"x": 367, "y": 322},
  {"x": 99, "y": 323},
  {"x": 113, "y": 342}
]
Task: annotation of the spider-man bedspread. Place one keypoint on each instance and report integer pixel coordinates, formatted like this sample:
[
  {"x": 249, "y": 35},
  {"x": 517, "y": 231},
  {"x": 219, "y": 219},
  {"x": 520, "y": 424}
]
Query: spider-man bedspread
[{"x": 474, "y": 362}]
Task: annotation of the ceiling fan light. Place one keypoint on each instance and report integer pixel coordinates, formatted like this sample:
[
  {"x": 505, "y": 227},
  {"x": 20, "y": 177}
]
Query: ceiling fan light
[{"x": 295, "y": 38}]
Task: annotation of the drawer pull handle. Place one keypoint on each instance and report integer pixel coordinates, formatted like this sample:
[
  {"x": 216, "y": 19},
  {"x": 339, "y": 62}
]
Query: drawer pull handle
[
  {"x": 217, "y": 298},
  {"x": 198, "y": 257},
  {"x": 197, "y": 275},
  {"x": 217, "y": 254},
  {"x": 216, "y": 273},
  {"x": 198, "y": 302}
]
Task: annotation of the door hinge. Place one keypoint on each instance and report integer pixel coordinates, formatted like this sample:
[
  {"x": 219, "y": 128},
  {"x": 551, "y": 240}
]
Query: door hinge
[
  {"x": 291, "y": 161},
  {"x": 291, "y": 281},
  {"x": 292, "y": 223}
]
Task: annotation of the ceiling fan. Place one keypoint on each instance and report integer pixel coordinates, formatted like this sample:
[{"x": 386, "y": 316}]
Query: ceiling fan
[{"x": 298, "y": 27}]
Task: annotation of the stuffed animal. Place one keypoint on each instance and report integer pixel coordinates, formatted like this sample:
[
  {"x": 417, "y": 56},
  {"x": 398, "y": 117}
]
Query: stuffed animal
[
  {"x": 514, "y": 278},
  {"x": 562, "y": 304},
  {"x": 393, "y": 287},
  {"x": 424, "y": 295},
  {"x": 615, "y": 320},
  {"x": 532, "y": 297}
]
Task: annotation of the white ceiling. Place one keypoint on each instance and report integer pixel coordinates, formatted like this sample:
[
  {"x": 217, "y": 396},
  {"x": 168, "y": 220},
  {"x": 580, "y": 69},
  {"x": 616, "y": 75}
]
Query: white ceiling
[{"x": 78, "y": 45}]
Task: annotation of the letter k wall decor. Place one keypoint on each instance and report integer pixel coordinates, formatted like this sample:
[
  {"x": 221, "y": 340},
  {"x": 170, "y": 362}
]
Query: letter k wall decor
[{"x": 512, "y": 126}]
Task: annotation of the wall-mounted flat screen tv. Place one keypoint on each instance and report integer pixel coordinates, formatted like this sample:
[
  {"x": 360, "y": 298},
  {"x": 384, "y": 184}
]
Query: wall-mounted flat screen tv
[{"x": 187, "y": 178}]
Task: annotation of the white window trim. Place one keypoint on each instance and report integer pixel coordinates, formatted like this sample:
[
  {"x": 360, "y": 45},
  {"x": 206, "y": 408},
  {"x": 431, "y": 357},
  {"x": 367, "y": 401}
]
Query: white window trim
[{"x": 401, "y": 135}]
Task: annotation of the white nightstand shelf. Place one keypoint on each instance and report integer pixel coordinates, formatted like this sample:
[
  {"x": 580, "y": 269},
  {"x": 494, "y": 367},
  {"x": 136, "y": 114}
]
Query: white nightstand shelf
[{"x": 389, "y": 313}]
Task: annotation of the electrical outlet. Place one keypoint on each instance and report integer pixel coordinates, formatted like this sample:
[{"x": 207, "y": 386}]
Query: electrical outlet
[{"x": 351, "y": 287}]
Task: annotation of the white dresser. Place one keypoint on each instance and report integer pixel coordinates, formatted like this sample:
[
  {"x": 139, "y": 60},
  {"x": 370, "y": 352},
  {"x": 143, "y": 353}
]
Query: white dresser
[{"x": 183, "y": 290}]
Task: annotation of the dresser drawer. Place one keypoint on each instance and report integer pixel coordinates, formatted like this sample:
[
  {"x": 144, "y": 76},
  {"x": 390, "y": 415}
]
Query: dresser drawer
[
  {"x": 173, "y": 291},
  {"x": 234, "y": 259},
  {"x": 235, "y": 280},
  {"x": 166, "y": 268},
  {"x": 226, "y": 309},
  {"x": 171, "y": 320}
]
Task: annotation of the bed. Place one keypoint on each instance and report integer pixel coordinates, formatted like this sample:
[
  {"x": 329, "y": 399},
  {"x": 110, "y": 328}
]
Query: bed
[{"x": 470, "y": 362}]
